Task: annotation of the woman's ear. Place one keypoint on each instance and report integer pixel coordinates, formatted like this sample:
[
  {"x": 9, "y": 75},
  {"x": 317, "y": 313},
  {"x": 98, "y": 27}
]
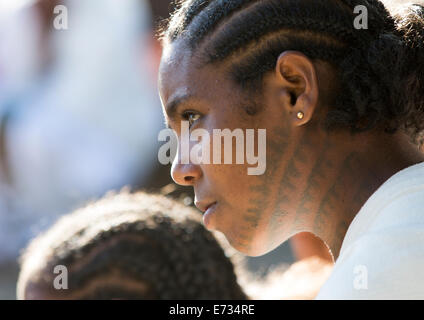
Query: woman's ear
[{"x": 298, "y": 86}]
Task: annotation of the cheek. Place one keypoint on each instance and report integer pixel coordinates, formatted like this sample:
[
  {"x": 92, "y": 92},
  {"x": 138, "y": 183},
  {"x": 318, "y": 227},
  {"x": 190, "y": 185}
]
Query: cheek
[
  {"x": 228, "y": 182},
  {"x": 240, "y": 216},
  {"x": 246, "y": 201}
]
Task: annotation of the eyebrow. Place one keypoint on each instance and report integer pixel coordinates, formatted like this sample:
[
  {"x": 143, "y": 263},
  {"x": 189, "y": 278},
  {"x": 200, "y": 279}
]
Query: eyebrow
[{"x": 172, "y": 106}]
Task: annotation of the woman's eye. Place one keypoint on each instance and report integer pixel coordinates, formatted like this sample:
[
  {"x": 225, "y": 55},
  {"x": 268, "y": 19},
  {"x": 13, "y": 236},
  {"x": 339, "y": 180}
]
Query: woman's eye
[{"x": 191, "y": 117}]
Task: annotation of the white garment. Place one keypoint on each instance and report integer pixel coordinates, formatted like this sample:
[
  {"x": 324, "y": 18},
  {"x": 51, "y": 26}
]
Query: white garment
[{"x": 382, "y": 255}]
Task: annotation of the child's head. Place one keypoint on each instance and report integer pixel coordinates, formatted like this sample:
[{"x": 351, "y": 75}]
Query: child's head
[{"x": 128, "y": 246}]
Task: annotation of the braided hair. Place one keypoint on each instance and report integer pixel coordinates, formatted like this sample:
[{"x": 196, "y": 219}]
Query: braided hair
[
  {"x": 380, "y": 69},
  {"x": 156, "y": 245}
]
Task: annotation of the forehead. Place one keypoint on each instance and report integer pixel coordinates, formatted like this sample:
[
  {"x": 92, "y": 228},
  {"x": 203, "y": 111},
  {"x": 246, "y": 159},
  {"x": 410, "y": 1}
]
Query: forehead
[
  {"x": 172, "y": 70},
  {"x": 178, "y": 74}
]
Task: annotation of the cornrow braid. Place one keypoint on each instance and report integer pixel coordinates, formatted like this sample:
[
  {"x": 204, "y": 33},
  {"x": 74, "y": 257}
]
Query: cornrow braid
[
  {"x": 208, "y": 19},
  {"x": 192, "y": 11},
  {"x": 250, "y": 35},
  {"x": 278, "y": 18},
  {"x": 146, "y": 240},
  {"x": 248, "y": 72},
  {"x": 272, "y": 15}
]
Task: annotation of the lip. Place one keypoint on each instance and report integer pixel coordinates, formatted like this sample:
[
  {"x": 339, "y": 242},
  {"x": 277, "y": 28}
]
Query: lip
[
  {"x": 208, "y": 213},
  {"x": 210, "y": 207},
  {"x": 204, "y": 207}
]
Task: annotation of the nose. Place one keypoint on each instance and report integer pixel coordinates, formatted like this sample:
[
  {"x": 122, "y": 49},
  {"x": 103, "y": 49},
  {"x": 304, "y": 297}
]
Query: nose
[{"x": 185, "y": 174}]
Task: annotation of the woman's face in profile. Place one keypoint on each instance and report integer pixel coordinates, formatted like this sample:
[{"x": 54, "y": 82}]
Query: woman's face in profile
[{"x": 246, "y": 208}]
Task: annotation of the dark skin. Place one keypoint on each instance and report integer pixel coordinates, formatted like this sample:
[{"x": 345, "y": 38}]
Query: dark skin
[
  {"x": 316, "y": 181},
  {"x": 305, "y": 245}
]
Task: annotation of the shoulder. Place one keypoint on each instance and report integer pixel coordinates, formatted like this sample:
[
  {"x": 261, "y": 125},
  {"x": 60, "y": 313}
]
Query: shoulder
[
  {"x": 383, "y": 253},
  {"x": 385, "y": 264}
]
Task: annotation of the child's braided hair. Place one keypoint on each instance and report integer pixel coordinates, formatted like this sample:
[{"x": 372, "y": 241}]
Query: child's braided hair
[{"x": 135, "y": 238}]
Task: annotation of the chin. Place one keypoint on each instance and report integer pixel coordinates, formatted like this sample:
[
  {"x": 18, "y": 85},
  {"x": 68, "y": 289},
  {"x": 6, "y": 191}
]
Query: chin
[
  {"x": 255, "y": 252},
  {"x": 251, "y": 248}
]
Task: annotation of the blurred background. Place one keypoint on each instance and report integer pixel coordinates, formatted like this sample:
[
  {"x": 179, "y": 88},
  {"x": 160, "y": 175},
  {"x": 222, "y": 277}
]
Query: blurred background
[{"x": 79, "y": 115}]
